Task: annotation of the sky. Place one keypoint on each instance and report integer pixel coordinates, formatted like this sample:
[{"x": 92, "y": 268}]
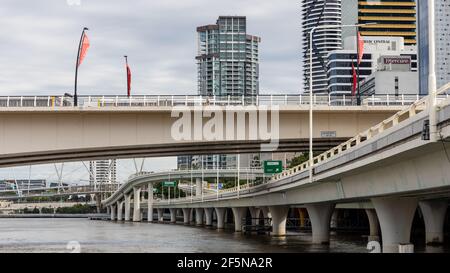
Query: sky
[{"x": 39, "y": 41}]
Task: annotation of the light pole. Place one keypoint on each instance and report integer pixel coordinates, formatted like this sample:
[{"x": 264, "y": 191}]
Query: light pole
[
  {"x": 311, "y": 33},
  {"x": 432, "y": 86}
]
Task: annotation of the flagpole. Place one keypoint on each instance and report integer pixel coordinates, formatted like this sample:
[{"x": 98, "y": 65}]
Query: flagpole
[
  {"x": 126, "y": 67},
  {"x": 358, "y": 96},
  {"x": 75, "y": 95}
]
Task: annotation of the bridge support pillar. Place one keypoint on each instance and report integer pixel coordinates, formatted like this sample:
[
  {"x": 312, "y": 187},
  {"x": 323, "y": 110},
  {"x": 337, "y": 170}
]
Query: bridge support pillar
[
  {"x": 374, "y": 225},
  {"x": 320, "y": 215},
  {"x": 198, "y": 187},
  {"x": 150, "y": 203},
  {"x": 137, "y": 204},
  {"x": 434, "y": 212},
  {"x": 120, "y": 210},
  {"x": 238, "y": 214},
  {"x": 113, "y": 212},
  {"x": 220, "y": 213},
  {"x": 254, "y": 212},
  {"x": 173, "y": 216},
  {"x": 396, "y": 216},
  {"x": 160, "y": 215},
  {"x": 186, "y": 216},
  {"x": 127, "y": 206},
  {"x": 279, "y": 217},
  {"x": 199, "y": 216},
  {"x": 209, "y": 216}
]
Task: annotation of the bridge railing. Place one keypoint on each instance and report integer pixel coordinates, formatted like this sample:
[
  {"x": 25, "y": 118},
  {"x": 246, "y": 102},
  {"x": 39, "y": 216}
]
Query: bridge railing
[
  {"x": 394, "y": 120},
  {"x": 186, "y": 100}
]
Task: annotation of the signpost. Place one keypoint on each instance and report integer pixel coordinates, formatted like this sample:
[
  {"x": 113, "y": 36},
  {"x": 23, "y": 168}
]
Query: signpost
[
  {"x": 273, "y": 166},
  {"x": 169, "y": 184}
]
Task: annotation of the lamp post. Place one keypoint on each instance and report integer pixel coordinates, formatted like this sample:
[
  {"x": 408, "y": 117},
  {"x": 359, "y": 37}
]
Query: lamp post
[
  {"x": 311, "y": 33},
  {"x": 432, "y": 85}
]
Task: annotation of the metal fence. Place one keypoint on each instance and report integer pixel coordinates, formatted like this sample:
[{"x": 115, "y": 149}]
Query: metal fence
[{"x": 172, "y": 101}]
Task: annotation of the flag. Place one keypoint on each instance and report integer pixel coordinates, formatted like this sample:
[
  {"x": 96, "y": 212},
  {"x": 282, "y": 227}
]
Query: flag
[
  {"x": 355, "y": 80},
  {"x": 84, "y": 47},
  {"x": 360, "y": 48},
  {"x": 128, "y": 80}
]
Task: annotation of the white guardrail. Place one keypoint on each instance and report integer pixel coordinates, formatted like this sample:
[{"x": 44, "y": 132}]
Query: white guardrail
[
  {"x": 171, "y": 101},
  {"x": 405, "y": 114}
]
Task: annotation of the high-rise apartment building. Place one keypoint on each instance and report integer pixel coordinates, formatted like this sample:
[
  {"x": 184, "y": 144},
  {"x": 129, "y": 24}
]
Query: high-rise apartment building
[
  {"x": 316, "y": 13},
  {"x": 392, "y": 18},
  {"x": 103, "y": 172},
  {"x": 228, "y": 59},
  {"x": 442, "y": 39}
]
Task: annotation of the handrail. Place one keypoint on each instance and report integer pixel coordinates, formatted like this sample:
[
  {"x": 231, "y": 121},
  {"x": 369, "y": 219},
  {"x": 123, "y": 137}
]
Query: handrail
[{"x": 188, "y": 100}]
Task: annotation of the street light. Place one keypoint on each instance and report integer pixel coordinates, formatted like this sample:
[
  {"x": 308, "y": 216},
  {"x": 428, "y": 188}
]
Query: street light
[
  {"x": 311, "y": 33},
  {"x": 432, "y": 86}
]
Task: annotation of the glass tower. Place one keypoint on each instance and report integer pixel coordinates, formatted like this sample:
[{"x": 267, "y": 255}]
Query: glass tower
[
  {"x": 317, "y": 13},
  {"x": 228, "y": 58},
  {"x": 442, "y": 9}
]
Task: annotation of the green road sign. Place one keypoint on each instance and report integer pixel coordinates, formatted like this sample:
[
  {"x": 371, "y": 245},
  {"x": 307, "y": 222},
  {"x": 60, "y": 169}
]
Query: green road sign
[
  {"x": 155, "y": 190},
  {"x": 169, "y": 184},
  {"x": 273, "y": 167}
]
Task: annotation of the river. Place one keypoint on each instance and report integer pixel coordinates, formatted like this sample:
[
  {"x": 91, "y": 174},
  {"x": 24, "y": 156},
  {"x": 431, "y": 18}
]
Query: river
[{"x": 60, "y": 235}]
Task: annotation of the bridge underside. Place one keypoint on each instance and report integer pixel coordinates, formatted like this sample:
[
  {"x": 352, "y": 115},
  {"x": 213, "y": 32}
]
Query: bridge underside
[{"x": 166, "y": 150}]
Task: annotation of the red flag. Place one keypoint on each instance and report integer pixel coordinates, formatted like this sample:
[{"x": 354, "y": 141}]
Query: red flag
[
  {"x": 128, "y": 80},
  {"x": 84, "y": 47},
  {"x": 355, "y": 80},
  {"x": 360, "y": 47}
]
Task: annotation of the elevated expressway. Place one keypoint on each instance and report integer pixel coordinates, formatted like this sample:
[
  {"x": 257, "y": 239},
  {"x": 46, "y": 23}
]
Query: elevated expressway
[
  {"x": 37, "y": 130},
  {"x": 389, "y": 165}
]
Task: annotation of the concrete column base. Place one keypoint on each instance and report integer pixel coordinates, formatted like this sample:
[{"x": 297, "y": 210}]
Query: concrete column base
[
  {"x": 113, "y": 213},
  {"x": 150, "y": 214},
  {"x": 374, "y": 225},
  {"x": 396, "y": 216},
  {"x": 160, "y": 215},
  {"x": 137, "y": 205},
  {"x": 127, "y": 207},
  {"x": 120, "y": 210},
  {"x": 173, "y": 216},
  {"x": 434, "y": 212},
  {"x": 199, "y": 217},
  {"x": 186, "y": 216},
  {"x": 320, "y": 216},
  {"x": 279, "y": 216},
  {"x": 239, "y": 214},
  {"x": 220, "y": 212},
  {"x": 209, "y": 217}
]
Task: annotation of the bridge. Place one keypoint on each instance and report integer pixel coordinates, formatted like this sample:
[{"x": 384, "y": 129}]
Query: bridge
[
  {"x": 38, "y": 130},
  {"x": 392, "y": 165},
  {"x": 59, "y": 191}
]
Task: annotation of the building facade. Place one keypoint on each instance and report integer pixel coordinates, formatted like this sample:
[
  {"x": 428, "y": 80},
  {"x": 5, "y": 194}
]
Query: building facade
[
  {"x": 317, "y": 13},
  {"x": 442, "y": 29},
  {"x": 228, "y": 59},
  {"x": 339, "y": 65},
  {"x": 103, "y": 172},
  {"x": 393, "y": 18}
]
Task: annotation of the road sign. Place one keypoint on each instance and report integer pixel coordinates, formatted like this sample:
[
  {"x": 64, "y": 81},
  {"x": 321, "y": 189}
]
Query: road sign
[
  {"x": 273, "y": 166},
  {"x": 169, "y": 184},
  {"x": 155, "y": 190}
]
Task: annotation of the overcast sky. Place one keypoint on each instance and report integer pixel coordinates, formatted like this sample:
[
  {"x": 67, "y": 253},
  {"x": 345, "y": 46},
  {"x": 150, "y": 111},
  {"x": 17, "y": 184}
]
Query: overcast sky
[{"x": 39, "y": 40}]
